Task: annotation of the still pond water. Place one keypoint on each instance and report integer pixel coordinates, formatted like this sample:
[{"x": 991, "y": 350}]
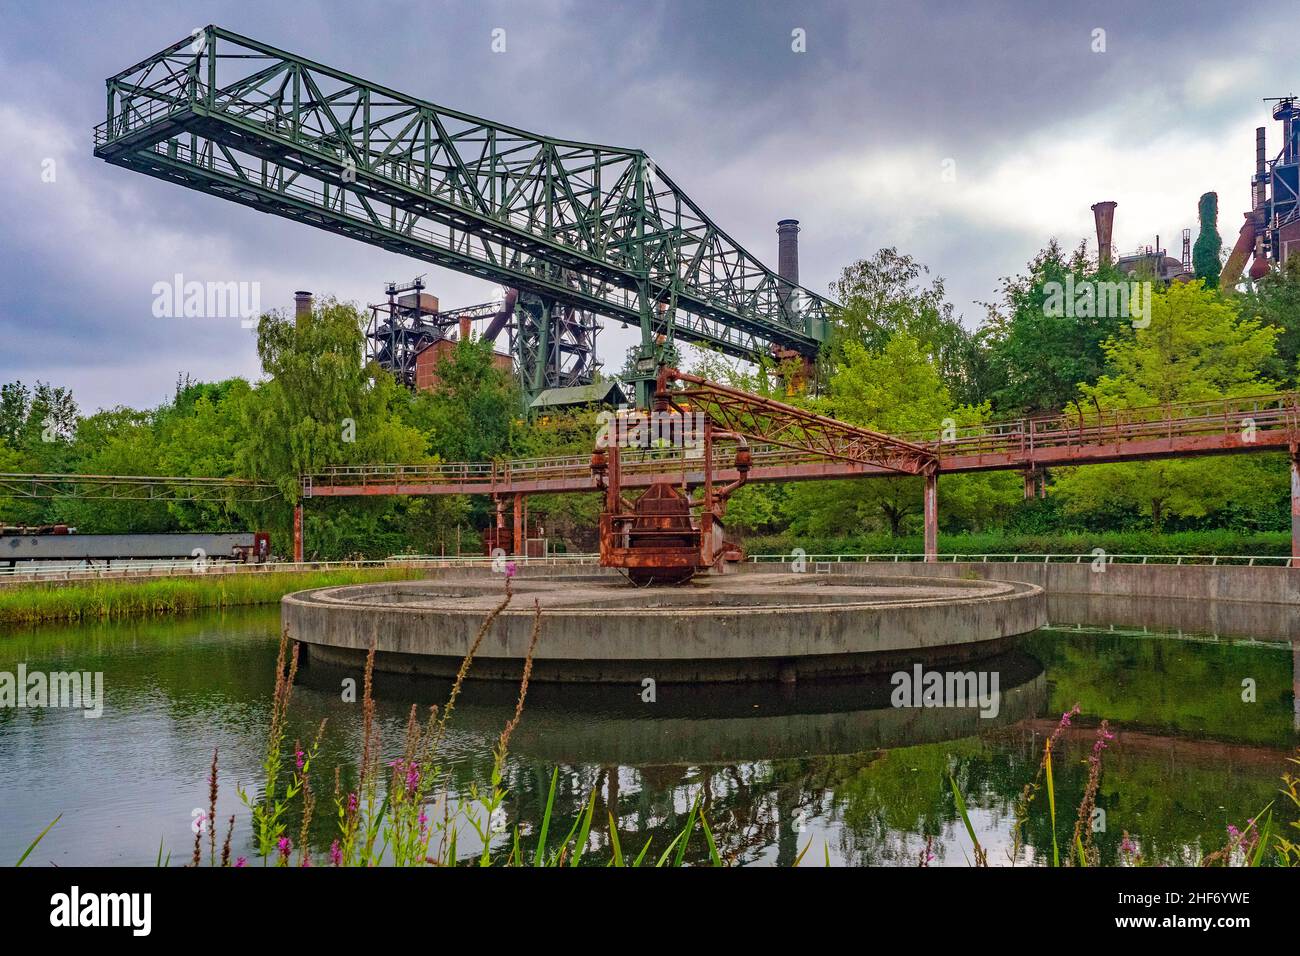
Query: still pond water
[{"x": 827, "y": 765}]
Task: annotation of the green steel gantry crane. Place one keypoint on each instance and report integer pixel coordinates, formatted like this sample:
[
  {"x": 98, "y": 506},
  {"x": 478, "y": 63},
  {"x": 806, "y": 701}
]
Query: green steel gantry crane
[{"x": 568, "y": 224}]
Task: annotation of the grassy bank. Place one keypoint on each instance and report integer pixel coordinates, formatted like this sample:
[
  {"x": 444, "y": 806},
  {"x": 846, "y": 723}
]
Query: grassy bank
[
  {"x": 1113, "y": 542},
  {"x": 101, "y": 600}
]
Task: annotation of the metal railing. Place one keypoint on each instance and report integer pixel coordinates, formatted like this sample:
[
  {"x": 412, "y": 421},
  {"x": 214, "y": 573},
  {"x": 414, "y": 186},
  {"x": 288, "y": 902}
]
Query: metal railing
[
  {"x": 188, "y": 566},
  {"x": 1239, "y": 560},
  {"x": 1018, "y": 439}
]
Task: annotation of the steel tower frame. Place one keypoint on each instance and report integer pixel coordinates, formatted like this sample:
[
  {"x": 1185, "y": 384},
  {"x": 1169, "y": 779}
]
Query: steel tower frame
[{"x": 577, "y": 225}]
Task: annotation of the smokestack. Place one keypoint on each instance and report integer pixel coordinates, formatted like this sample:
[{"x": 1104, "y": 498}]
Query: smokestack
[
  {"x": 464, "y": 328},
  {"x": 1259, "y": 207},
  {"x": 302, "y": 303},
  {"x": 1104, "y": 213},
  {"x": 787, "y": 257},
  {"x": 1259, "y": 167}
]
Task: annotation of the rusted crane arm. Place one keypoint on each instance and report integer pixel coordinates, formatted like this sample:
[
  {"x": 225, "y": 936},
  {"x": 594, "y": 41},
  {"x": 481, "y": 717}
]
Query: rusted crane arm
[{"x": 766, "y": 420}]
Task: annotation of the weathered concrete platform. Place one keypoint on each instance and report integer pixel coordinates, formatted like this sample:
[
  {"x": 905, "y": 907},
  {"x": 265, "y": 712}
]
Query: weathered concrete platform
[{"x": 597, "y": 627}]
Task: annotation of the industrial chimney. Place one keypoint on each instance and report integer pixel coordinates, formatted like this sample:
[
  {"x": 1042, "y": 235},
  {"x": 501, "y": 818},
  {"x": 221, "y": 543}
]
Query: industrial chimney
[
  {"x": 787, "y": 257},
  {"x": 787, "y": 262},
  {"x": 302, "y": 303},
  {"x": 1104, "y": 213},
  {"x": 1259, "y": 208}
]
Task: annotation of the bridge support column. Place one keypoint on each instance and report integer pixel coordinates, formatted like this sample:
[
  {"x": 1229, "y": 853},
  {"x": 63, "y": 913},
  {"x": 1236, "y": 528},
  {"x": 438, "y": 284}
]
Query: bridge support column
[
  {"x": 297, "y": 533},
  {"x": 1035, "y": 483},
  {"x": 1295, "y": 507},
  {"x": 932, "y": 516},
  {"x": 519, "y": 526}
]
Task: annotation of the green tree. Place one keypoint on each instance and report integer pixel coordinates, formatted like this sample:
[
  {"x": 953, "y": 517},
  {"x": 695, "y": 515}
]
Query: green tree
[
  {"x": 899, "y": 391},
  {"x": 1275, "y": 301},
  {"x": 116, "y": 441},
  {"x": 321, "y": 406},
  {"x": 1197, "y": 347},
  {"x": 15, "y": 402},
  {"x": 470, "y": 413},
  {"x": 1038, "y": 355},
  {"x": 887, "y": 294}
]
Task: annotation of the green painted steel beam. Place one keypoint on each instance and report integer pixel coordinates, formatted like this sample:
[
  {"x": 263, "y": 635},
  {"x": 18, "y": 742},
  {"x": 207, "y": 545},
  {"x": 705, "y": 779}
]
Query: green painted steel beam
[{"x": 595, "y": 227}]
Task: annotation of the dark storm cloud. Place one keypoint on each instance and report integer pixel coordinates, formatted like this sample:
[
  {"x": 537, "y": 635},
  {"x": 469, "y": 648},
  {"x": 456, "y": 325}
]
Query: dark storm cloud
[{"x": 848, "y": 136}]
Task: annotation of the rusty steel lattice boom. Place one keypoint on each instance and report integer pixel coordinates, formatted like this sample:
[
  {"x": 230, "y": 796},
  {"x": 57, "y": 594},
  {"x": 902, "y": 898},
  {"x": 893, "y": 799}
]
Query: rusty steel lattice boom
[
  {"x": 573, "y": 225},
  {"x": 135, "y": 488},
  {"x": 765, "y": 420}
]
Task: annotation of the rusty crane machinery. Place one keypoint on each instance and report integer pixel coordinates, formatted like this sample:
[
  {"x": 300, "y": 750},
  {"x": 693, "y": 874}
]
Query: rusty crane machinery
[{"x": 668, "y": 534}]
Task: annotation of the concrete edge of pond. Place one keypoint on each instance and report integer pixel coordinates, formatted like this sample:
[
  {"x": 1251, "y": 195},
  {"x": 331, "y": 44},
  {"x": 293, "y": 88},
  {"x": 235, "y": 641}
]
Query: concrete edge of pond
[{"x": 1187, "y": 582}]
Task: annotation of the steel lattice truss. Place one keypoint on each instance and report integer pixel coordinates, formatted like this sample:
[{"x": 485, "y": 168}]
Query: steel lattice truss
[
  {"x": 775, "y": 423},
  {"x": 592, "y": 227},
  {"x": 135, "y": 488}
]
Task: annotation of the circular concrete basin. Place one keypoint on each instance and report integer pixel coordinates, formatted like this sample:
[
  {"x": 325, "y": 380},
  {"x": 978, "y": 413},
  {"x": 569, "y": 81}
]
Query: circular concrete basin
[{"x": 597, "y": 627}]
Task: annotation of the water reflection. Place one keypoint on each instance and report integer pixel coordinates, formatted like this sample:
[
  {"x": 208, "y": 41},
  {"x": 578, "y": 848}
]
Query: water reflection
[
  {"x": 687, "y": 724},
  {"x": 830, "y": 765}
]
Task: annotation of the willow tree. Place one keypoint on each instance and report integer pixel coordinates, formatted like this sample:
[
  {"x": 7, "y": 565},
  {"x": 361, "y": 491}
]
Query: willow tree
[{"x": 321, "y": 405}]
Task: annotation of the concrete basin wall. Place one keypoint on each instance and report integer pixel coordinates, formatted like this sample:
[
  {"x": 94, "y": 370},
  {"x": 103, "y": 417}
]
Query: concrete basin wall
[
  {"x": 1225, "y": 600},
  {"x": 669, "y": 643},
  {"x": 1258, "y": 585}
]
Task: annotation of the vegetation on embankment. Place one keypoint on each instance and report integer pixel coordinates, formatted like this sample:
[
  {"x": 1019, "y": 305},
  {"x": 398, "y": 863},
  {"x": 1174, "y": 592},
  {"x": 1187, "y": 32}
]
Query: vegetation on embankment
[
  {"x": 1112, "y": 542},
  {"x": 104, "y": 599}
]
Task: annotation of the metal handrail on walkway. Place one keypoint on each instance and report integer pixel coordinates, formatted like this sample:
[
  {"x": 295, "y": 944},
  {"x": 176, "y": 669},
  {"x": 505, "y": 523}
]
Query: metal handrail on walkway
[
  {"x": 1236, "y": 560},
  {"x": 191, "y": 566}
]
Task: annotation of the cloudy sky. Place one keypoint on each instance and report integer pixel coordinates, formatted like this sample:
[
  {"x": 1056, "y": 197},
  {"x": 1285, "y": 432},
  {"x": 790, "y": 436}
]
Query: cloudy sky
[{"x": 851, "y": 136}]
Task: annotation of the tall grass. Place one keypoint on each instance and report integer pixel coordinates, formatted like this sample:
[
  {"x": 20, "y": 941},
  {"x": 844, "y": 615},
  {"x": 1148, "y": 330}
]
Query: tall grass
[
  {"x": 117, "y": 598},
  {"x": 1256, "y": 844},
  {"x": 384, "y": 818}
]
